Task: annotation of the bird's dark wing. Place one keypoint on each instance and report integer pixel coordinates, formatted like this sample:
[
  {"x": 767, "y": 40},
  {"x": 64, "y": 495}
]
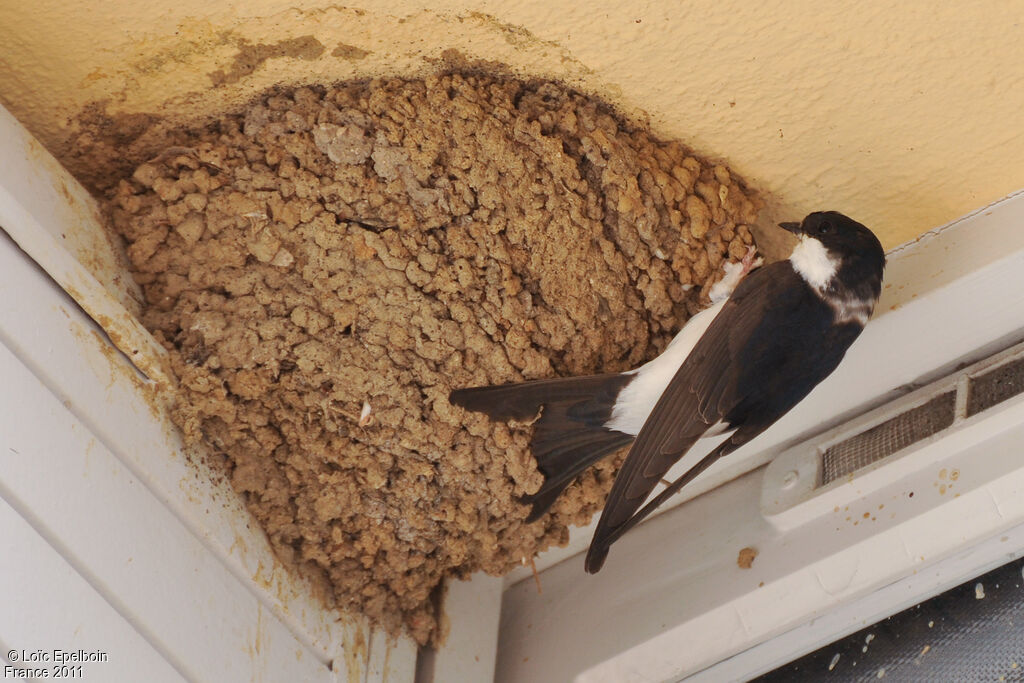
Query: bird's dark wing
[{"x": 759, "y": 335}]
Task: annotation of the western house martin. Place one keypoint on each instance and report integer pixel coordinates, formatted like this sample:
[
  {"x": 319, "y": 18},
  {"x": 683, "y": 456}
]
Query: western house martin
[{"x": 732, "y": 371}]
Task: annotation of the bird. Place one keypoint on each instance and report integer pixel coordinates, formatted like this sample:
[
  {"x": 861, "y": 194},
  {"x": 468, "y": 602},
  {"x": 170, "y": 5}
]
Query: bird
[{"x": 731, "y": 372}]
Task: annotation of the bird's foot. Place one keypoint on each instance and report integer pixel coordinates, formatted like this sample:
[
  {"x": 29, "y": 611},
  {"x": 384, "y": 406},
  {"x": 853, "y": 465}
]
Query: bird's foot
[{"x": 750, "y": 260}]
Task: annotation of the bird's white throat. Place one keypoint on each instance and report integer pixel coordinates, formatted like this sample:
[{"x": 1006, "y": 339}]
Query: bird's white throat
[
  {"x": 817, "y": 266},
  {"x": 813, "y": 262}
]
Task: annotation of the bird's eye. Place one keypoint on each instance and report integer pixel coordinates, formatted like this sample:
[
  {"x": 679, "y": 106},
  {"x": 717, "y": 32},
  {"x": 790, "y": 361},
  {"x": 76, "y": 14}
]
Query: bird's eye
[{"x": 824, "y": 228}]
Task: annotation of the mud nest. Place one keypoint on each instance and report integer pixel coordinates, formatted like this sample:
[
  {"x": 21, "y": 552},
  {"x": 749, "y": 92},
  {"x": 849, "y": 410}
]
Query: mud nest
[{"x": 378, "y": 244}]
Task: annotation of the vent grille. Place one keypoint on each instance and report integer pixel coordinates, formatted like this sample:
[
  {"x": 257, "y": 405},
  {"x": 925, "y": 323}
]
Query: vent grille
[
  {"x": 845, "y": 463},
  {"x": 890, "y": 436},
  {"x": 995, "y": 386}
]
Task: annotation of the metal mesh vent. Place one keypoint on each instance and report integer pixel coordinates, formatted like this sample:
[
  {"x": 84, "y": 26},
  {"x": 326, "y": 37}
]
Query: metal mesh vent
[
  {"x": 995, "y": 386},
  {"x": 887, "y": 438}
]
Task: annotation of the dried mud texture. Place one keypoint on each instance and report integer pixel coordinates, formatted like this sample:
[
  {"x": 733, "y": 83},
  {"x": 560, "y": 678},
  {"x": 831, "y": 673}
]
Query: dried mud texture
[
  {"x": 382, "y": 243},
  {"x": 745, "y": 559}
]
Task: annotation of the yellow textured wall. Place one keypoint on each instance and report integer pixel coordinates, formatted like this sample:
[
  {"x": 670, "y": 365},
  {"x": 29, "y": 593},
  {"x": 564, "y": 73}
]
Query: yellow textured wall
[{"x": 904, "y": 115}]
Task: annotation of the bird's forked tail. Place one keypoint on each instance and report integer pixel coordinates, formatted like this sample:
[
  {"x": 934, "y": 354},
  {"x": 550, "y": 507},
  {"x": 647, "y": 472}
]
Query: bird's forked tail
[{"x": 569, "y": 435}]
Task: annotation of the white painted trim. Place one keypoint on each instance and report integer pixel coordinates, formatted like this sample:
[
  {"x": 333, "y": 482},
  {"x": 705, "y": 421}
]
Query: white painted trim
[
  {"x": 46, "y": 605},
  {"x": 122, "y": 540},
  {"x": 967, "y": 564},
  {"x": 390, "y": 660},
  {"x": 55, "y": 220},
  {"x": 472, "y": 611}
]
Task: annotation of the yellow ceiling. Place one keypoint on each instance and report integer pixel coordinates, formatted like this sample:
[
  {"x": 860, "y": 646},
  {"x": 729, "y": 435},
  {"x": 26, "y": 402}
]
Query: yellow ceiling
[{"x": 904, "y": 115}]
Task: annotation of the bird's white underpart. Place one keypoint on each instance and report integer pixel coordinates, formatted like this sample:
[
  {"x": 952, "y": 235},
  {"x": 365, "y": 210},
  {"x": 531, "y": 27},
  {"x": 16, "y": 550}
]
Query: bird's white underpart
[
  {"x": 813, "y": 262},
  {"x": 636, "y": 400}
]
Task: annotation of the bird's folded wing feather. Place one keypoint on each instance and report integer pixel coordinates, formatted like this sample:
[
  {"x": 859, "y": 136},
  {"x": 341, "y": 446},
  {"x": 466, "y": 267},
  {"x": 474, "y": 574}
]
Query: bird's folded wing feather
[{"x": 702, "y": 392}]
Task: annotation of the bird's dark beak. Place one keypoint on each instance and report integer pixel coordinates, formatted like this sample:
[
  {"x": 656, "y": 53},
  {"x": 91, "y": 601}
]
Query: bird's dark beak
[{"x": 791, "y": 227}]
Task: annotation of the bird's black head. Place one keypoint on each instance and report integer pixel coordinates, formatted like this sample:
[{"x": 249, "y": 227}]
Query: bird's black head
[
  {"x": 855, "y": 251},
  {"x": 840, "y": 234}
]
